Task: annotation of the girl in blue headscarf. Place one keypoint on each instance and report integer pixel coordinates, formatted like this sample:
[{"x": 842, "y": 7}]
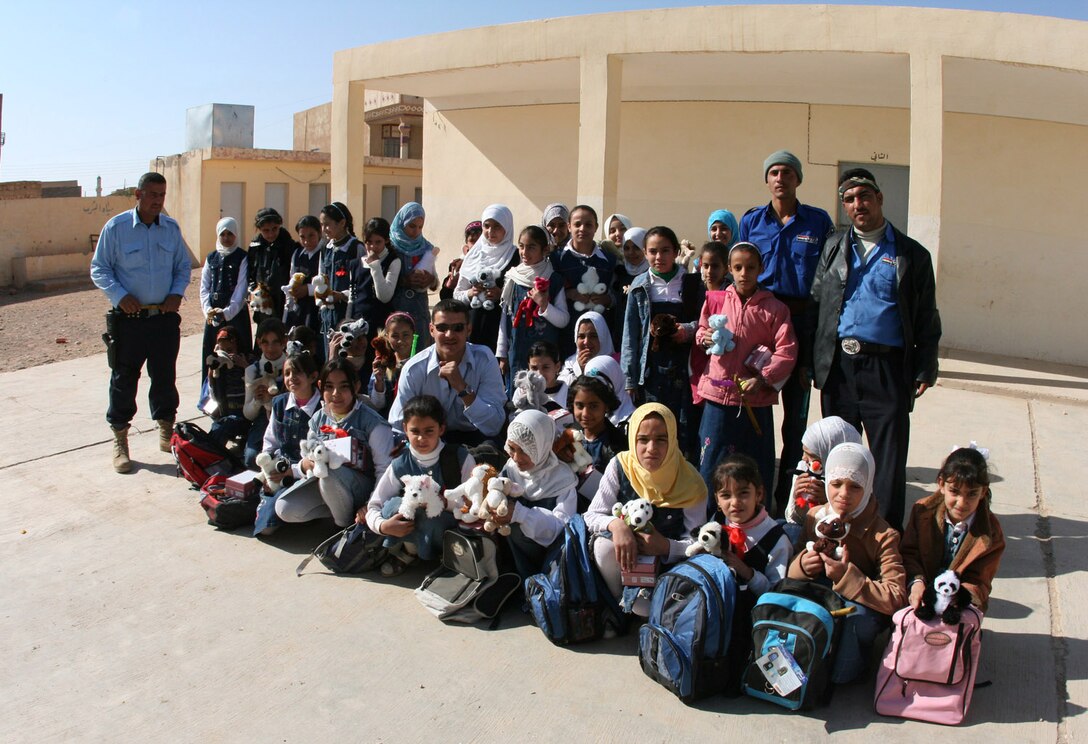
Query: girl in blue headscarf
[
  {"x": 418, "y": 272},
  {"x": 722, "y": 226}
]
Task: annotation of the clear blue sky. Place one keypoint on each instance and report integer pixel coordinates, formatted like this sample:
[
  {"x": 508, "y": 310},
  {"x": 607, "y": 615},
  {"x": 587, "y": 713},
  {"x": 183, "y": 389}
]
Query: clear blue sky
[{"x": 101, "y": 88}]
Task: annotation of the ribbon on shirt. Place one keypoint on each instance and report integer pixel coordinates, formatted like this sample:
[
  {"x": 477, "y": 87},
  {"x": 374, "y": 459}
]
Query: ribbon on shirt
[
  {"x": 737, "y": 540},
  {"x": 335, "y": 431}
]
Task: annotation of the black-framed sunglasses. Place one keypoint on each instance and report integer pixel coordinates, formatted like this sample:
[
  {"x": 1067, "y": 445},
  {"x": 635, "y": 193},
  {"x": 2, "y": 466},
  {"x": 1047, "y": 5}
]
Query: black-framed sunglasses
[{"x": 450, "y": 327}]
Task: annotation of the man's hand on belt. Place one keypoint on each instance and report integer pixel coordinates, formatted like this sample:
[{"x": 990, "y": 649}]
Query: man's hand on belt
[
  {"x": 171, "y": 303},
  {"x": 129, "y": 304}
]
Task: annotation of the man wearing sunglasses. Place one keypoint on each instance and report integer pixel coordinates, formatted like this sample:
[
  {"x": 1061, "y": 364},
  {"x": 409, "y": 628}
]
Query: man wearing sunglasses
[{"x": 464, "y": 377}]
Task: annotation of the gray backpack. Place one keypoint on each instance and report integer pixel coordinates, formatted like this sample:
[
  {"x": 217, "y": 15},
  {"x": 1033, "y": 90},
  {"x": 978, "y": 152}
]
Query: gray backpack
[{"x": 467, "y": 587}]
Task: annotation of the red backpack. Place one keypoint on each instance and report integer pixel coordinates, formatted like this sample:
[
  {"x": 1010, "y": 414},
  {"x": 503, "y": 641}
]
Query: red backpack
[{"x": 198, "y": 456}]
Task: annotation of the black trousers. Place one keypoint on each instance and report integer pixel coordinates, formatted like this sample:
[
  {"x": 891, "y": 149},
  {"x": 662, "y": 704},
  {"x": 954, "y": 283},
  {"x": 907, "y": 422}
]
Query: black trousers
[
  {"x": 154, "y": 341},
  {"x": 868, "y": 391},
  {"x": 795, "y": 394}
]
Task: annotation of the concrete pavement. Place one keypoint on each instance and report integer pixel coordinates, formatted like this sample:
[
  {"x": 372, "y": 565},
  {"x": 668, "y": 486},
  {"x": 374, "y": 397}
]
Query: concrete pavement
[{"x": 125, "y": 616}]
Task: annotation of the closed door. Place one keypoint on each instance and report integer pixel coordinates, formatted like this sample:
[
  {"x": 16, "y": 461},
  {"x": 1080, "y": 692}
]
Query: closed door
[{"x": 232, "y": 199}]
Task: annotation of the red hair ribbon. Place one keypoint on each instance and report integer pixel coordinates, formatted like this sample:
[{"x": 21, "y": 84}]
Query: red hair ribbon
[
  {"x": 326, "y": 429},
  {"x": 737, "y": 538}
]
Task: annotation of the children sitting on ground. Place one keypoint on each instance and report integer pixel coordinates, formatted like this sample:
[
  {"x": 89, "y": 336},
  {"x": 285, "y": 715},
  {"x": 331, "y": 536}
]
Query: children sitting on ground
[
  {"x": 345, "y": 489},
  {"x": 399, "y": 335},
  {"x": 223, "y": 291},
  {"x": 226, "y": 375},
  {"x": 483, "y": 273},
  {"x": 425, "y": 455},
  {"x": 868, "y": 574},
  {"x": 417, "y": 274},
  {"x": 305, "y": 261},
  {"x": 954, "y": 529},
  {"x": 741, "y": 384},
  {"x": 652, "y": 469},
  {"x": 533, "y": 301},
  {"x": 591, "y": 338},
  {"x": 263, "y": 380},
  {"x": 809, "y": 489},
  {"x": 608, "y": 369}
]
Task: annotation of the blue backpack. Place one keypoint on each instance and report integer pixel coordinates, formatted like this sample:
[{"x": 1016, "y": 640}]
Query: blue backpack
[
  {"x": 685, "y": 643},
  {"x": 570, "y": 601},
  {"x": 803, "y": 618}
]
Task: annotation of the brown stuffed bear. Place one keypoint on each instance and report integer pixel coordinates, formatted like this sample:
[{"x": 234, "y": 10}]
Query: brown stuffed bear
[{"x": 662, "y": 327}]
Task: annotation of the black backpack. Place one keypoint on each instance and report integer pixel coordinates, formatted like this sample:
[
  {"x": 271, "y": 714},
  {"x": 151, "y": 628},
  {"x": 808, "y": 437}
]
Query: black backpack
[{"x": 353, "y": 550}]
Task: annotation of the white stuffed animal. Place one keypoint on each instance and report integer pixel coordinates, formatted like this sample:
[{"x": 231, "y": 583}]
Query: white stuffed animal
[
  {"x": 486, "y": 279},
  {"x": 591, "y": 284},
  {"x": 264, "y": 372},
  {"x": 420, "y": 491},
  {"x": 720, "y": 335},
  {"x": 298, "y": 280},
  {"x": 324, "y": 459},
  {"x": 529, "y": 392},
  {"x": 322, "y": 294},
  {"x": 349, "y": 333},
  {"x": 260, "y": 300},
  {"x": 471, "y": 491},
  {"x": 219, "y": 359},
  {"x": 271, "y": 466},
  {"x": 709, "y": 541},
  {"x": 637, "y": 513},
  {"x": 496, "y": 504}
]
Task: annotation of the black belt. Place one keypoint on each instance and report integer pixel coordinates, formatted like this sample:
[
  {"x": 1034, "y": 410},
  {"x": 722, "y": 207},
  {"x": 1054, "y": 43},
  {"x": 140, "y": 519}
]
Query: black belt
[
  {"x": 853, "y": 347},
  {"x": 144, "y": 312}
]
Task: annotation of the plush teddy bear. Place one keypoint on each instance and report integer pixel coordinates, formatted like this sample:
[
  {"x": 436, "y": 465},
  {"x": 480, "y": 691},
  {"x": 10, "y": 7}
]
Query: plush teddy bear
[
  {"x": 486, "y": 279},
  {"x": 322, "y": 294},
  {"x": 946, "y": 598},
  {"x": 260, "y": 299},
  {"x": 529, "y": 392},
  {"x": 831, "y": 530},
  {"x": 709, "y": 540},
  {"x": 420, "y": 491},
  {"x": 298, "y": 280},
  {"x": 269, "y": 466},
  {"x": 637, "y": 513},
  {"x": 384, "y": 356},
  {"x": 590, "y": 284},
  {"x": 464, "y": 500},
  {"x": 350, "y": 332},
  {"x": 569, "y": 447},
  {"x": 662, "y": 327},
  {"x": 324, "y": 459},
  {"x": 496, "y": 503},
  {"x": 720, "y": 335}
]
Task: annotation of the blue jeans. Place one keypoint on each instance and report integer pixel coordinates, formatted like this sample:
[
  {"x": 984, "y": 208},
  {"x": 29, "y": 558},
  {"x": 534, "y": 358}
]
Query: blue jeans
[
  {"x": 859, "y": 630},
  {"x": 726, "y": 430},
  {"x": 427, "y": 536}
]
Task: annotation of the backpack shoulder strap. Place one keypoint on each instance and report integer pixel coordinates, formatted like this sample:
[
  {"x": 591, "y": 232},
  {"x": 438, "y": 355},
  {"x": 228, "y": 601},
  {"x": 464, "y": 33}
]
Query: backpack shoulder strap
[{"x": 450, "y": 460}]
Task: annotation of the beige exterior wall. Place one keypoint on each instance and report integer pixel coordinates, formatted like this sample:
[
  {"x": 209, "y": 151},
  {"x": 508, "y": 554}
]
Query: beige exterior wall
[
  {"x": 312, "y": 127},
  {"x": 52, "y": 227},
  {"x": 1012, "y": 273}
]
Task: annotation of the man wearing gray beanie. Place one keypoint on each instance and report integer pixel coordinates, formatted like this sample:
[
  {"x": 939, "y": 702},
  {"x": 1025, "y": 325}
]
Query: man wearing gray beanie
[{"x": 789, "y": 235}]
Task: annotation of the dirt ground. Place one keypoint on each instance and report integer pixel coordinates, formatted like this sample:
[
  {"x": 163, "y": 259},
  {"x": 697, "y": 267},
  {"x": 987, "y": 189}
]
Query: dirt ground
[{"x": 43, "y": 327}]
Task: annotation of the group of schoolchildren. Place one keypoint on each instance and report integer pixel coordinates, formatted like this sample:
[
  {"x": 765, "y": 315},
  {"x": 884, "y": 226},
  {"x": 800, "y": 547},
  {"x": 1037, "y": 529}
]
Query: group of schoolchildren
[{"x": 626, "y": 336}]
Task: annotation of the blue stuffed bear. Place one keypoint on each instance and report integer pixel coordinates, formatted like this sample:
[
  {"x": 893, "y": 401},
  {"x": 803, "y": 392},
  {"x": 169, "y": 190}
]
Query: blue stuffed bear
[{"x": 720, "y": 335}]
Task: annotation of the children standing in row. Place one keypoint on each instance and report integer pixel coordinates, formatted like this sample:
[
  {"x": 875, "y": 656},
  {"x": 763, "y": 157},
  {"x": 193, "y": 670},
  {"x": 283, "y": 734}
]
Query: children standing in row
[
  {"x": 306, "y": 260},
  {"x": 487, "y": 263},
  {"x": 269, "y": 258},
  {"x": 223, "y": 282}
]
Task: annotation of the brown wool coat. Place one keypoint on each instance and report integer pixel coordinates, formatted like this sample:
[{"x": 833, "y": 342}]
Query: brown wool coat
[
  {"x": 977, "y": 559},
  {"x": 875, "y": 577}
]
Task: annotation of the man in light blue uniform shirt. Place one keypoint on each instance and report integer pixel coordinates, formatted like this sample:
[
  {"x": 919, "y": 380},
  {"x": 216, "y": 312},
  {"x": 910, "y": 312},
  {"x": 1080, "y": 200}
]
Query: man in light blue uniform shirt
[
  {"x": 464, "y": 377},
  {"x": 790, "y": 236},
  {"x": 142, "y": 264}
]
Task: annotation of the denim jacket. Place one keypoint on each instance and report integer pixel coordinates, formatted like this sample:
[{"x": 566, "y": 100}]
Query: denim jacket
[{"x": 635, "y": 346}]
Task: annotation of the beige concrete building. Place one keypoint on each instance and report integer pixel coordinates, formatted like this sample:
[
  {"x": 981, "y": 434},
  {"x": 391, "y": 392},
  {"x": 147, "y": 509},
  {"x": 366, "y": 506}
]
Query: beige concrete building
[{"x": 978, "y": 123}]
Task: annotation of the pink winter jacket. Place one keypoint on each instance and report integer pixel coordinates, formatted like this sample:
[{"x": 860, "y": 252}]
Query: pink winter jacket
[{"x": 762, "y": 320}]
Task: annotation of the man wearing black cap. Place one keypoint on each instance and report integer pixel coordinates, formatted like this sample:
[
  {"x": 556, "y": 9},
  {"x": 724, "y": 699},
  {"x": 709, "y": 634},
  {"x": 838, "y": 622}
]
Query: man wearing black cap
[
  {"x": 789, "y": 235},
  {"x": 877, "y": 332},
  {"x": 269, "y": 257}
]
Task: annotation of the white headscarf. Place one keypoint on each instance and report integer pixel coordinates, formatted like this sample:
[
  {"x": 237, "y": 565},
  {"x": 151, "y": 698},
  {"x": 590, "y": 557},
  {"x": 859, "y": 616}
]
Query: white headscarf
[
  {"x": 227, "y": 224},
  {"x": 534, "y": 433},
  {"x": 854, "y": 462},
  {"x": 636, "y": 235},
  {"x": 607, "y": 225},
  {"x": 484, "y": 255},
  {"x": 603, "y": 335},
  {"x": 524, "y": 275},
  {"x": 825, "y": 434},
  {"x": 609, "y": 369}
]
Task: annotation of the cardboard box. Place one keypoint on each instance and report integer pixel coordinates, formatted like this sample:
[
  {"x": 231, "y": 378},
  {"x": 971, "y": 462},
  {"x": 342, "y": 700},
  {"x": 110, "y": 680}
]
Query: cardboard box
[
  {"x": 244, "y": 485},
  {"x": 644, "y": 574},
  {"x": 353, "y": 450}
]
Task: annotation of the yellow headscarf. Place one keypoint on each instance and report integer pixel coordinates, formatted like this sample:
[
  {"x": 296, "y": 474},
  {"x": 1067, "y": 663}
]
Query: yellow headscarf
[{"x": 676, "y": 484}]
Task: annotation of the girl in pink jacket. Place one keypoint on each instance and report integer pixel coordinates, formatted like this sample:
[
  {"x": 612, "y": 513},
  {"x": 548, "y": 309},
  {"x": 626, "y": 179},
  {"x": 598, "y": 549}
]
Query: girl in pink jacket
[{"x": 740, "y": 385}]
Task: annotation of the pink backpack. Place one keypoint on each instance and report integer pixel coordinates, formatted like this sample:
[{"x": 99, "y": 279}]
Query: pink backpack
[{"x": 928, "y": 671}]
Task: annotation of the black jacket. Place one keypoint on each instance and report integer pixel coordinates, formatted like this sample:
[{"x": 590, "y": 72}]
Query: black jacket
[{"x": 917, "y": 306}]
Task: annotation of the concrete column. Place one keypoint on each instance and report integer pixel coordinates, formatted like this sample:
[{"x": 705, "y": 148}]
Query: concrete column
[
  {"x": 348, "y": 144},
  {"x": 926, "y": 151},
  {"x": 599, "y": 132}
]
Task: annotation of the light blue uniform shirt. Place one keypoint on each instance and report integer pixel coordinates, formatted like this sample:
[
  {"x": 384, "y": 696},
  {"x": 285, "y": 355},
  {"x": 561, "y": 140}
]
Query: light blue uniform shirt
[
  {"x": 480, "y": 371},
  {"x": 870, "y": 310},
  {"x": 148, "y": 262},
  {"x": 790, "y": 252}
]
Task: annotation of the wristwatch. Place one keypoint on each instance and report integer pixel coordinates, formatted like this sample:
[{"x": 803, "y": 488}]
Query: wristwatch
[{"x": 465, "y": 393}]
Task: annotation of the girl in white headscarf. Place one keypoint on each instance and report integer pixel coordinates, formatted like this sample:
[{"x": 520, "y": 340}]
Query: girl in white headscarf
[
  {"x": 537, "y": 517},
  {"x": 223, "y": 282},
  {"x": 591, "y": 338},
  {"x": 808, "y": 479},
  {"x": 486, "y": 262},
  {"x": 609, "y": 369},
  {"x": 869, "y": 574}
]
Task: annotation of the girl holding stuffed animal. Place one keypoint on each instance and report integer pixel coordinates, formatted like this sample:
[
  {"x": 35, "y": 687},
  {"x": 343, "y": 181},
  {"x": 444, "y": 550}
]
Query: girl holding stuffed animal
[
  {"x": 340, "y": 254},
  {"x": 263, "y": 381},
  {"x": 223, "y": 282},
  {"x": 375, "y": 278},
  {"x": 575, "y": 259},
  {"x": 418, "y": 273},
  {"x": 652, "y": 469},
  {"x": 591, "y": 339},
  {"x": 746, "y": 369},
  {"x": 658, "y": 329},
  {"x": 340, "y": 489},
  {"x": 712, "y": 276},
  {"x": 269, "y": 258},
  {"x": 289, "y": 424},
  {"x": 865, "y": 566},
  {"x": 592, "y": 401},
  {"x": 483, "y": 272},
  {"x": 226, "y": 374},
  {"x": 300, "y": 309},
  {"x": 392, "y": 348},
  {"x": 808, "y": 481},
  {"x": 541, "y": 492},
  {"x": 544, "y": 360},
  {"x": 426, "y": 465},
  {"x": 954, "y": 529},
  {"x": 534, "y": 303}
]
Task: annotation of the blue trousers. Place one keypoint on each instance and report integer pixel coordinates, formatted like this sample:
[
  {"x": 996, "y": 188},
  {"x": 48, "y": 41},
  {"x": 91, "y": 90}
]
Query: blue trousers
[
  {"x": 726, "y": 430},
  {"x": 859, "y": 630},
  {"x": 427, "y": 536}
]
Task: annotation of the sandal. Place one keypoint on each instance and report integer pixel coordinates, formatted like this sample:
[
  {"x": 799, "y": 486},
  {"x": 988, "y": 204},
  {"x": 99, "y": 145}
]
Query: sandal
[{"x": 396, "y": 563}]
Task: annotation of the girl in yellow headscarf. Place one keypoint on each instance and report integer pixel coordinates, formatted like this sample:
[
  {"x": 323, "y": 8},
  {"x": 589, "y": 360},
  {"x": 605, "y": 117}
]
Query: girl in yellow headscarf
[{"x": 653, "y": 468}]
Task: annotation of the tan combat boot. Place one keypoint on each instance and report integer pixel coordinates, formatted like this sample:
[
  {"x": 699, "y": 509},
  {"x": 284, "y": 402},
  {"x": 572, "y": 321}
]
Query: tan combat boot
[
  {"x": 166, "y": 431},
  {"x": 121, "y": 463}
]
